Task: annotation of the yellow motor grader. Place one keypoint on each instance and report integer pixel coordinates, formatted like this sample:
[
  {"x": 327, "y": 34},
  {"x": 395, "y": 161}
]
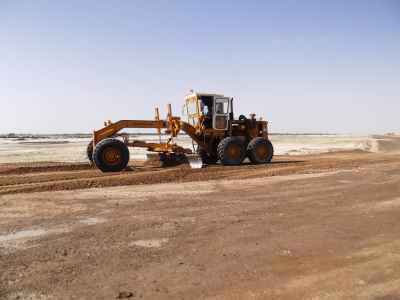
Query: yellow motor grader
[{"x": 210, "y": 123}]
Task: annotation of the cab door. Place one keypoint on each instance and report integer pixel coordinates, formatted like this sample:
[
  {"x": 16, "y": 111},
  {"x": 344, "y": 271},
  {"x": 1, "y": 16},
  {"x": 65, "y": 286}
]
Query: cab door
[{"x": 221, "y": 113}]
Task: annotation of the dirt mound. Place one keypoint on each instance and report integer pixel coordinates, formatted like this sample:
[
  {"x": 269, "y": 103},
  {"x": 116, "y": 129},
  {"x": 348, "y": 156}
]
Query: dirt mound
[{"x": 9, "y": 169}]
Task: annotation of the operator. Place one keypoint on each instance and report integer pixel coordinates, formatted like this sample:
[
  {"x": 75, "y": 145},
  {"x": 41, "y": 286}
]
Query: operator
[
  {"x": 205, "y": 109},
  {"x": 219, "y": 108}
]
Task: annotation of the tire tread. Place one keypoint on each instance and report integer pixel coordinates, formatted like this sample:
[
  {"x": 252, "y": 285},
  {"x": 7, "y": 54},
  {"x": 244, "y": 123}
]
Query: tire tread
[{"x": 97, "y": 155}]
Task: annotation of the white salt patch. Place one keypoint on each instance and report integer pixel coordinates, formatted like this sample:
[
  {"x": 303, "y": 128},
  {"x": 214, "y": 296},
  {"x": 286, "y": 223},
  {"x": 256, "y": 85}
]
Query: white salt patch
[
  {"x": 30, "y": 233},
  {"x": 23, "y": 234},
  {"x": 33, "y": 233},
  {"x": 344, "y": 181},
  {"x": 18, "y": 240},
  {"x": 388, "y": 204},
  {"x": 92, "y": 221},
  {"x": 26, "y": 296},
  {"x": 156, "y": 243},
  {"x": 378, "y": 206},
  {"x": 73, "y": 149}
]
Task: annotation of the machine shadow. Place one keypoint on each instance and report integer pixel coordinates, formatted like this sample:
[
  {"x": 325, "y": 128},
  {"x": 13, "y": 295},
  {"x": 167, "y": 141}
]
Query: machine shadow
[
  {"x": 279, "y": 162},
  {"x": 148, "y": 167},
  {"x": 287, "y": 162}
]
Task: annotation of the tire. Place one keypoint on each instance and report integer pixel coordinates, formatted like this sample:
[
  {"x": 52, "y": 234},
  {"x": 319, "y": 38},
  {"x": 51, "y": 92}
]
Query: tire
[
  {"x": 89, "y": 152},
  {"x": 260, "y": 150},
  {"x": 207, "y": 158},
  {"x": 111, "y": 155},
  {"x": 231, "y": 151}
]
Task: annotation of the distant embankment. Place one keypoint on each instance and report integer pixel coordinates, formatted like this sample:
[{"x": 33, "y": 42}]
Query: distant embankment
[{"x": 386, "y": 143}]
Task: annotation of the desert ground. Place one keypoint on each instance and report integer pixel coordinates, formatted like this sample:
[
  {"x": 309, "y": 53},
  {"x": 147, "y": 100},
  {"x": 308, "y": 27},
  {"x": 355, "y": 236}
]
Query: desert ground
[{"x": 320, "y": 226}]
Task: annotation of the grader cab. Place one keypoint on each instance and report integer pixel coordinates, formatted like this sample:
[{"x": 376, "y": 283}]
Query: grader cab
[{"x": 209, "y": 122}]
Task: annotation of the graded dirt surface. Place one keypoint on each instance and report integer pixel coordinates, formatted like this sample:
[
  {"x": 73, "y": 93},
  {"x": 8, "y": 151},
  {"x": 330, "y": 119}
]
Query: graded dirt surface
[{"x": 304, "y": 227}]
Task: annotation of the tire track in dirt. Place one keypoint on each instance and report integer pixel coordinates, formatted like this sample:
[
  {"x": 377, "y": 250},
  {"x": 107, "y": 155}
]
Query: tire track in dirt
[{"x": 83, "y": 176}]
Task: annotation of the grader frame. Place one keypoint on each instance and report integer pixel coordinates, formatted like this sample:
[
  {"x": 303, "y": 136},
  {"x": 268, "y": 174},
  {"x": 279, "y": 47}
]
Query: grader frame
[{"x": 229, "y": 140}]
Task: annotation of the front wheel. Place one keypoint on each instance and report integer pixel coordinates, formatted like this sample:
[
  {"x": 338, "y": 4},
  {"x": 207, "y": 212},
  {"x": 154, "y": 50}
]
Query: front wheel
[
  {"x": 260, "y": 150},
  {"x": 111, "y": 155}
]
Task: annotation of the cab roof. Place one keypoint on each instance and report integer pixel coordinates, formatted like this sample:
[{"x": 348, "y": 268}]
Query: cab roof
[{"x": 191, "y": 95}]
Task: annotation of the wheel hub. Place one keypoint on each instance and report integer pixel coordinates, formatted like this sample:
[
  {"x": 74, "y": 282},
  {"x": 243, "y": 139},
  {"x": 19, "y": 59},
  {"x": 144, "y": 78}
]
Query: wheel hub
[
  {"x": 233, "y": 151},
  {"x": 262, "y": 151},
  {"x": 112, "y": 156}
]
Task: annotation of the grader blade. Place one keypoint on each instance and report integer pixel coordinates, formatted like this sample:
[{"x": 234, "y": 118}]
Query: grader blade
[
  {"x": 153, "y": 160},
  {"x": 195, "y": 161}
]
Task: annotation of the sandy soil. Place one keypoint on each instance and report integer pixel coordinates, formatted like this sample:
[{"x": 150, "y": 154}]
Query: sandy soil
[{"x": 305, "y": 227}]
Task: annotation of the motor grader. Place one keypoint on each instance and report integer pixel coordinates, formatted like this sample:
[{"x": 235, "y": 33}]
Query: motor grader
[{"x": 209, "y": 121}]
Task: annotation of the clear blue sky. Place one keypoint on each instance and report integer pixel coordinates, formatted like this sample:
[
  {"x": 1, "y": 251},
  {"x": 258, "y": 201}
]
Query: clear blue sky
[{"x": 317, "y": 66}]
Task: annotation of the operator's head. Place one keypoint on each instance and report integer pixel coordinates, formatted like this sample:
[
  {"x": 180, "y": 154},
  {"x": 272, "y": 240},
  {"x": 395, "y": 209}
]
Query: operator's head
[{"x": 219, "y": 108}]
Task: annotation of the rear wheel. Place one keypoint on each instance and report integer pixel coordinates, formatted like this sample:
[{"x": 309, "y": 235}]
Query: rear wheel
[
  {"x": 231, "y": 151},
  {"x": 260, "y": 150},
  {"x": 111, "y": 155}
]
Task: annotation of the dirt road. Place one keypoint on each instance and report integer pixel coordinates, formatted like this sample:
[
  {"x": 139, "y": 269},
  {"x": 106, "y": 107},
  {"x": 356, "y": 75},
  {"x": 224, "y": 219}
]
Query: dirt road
[{"x": 312, "y": 227}]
